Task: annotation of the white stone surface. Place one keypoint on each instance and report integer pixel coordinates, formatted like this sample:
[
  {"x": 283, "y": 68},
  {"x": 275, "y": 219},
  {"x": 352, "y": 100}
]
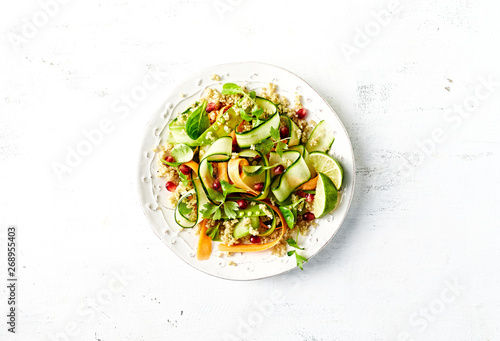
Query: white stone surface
[{"x": 412, "y": 231}]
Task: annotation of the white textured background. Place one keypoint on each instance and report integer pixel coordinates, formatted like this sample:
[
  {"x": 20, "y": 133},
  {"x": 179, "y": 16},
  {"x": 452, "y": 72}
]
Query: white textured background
[{"x": 421, "y": 221}]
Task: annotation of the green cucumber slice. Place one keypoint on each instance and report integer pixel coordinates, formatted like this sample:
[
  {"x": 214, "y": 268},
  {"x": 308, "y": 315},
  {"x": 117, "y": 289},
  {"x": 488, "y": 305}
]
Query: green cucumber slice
[
  {"x": 242, "y": 228},
  {"x": 300, "y": 148},
  {"x": 222, "y": 127},
  {"x": 321, "y": 138},
  {"x": 248, "y": 153},
  {"x": 259, "y": 133},
  {"x": 294, "y": 176},
  {"x": 266, "y": 104},
  {"x": 219, "y": 151},
  {"x": 181, "y": 211}
]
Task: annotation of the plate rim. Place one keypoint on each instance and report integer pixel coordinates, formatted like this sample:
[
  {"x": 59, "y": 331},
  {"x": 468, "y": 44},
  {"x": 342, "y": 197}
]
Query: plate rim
[{"x": 153, "y": 116}]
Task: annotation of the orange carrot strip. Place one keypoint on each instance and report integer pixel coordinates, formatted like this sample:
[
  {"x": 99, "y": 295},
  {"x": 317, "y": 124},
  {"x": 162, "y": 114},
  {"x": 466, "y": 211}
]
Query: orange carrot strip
[
  {"x": 310, "y": 185},
  {"x": 233, "y": 135},
  {"x": 235, "y": 175},
  {"x": 222, "y": 171},
  {"x": 257, "y": 247},
  {"x": 193, "y": 165},
  {"x": 204, "y": 243}
]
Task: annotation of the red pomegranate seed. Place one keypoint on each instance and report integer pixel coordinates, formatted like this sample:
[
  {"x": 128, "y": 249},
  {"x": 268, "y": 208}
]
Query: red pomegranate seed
[
  {"x": 216, "y": 184},
  {"x": 185, "y": 169},
  {"x": 258, "y": 186},
  {"x": 255, "y": 239},
  {"x": 301, "y": 113},
  {"x": 284, "y": 132},
  {"x": 308, "y": 216},
  {"x": 242, "y": 204},
  {"x": 309, "y": 197},
  {"x": 278, "y": 169},
  {"x": 170, "y": 159},
  {"x": 210, "y": 107},
  {"x": 301, "y": 194},
  {"x": 170, "y": 186}
]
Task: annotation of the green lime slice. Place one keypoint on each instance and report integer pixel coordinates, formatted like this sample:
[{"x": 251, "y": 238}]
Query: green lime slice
[
  {"x": 325, "y": 199},
  {"x": 324, "y": 163}
]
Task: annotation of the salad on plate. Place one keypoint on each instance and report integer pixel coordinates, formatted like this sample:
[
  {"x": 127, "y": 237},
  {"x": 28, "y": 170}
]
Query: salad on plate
[{"x": 249, "y": 171}]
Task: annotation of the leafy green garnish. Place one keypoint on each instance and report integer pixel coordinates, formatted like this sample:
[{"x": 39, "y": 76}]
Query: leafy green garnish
[
  {"x": 244, "y": 115},
  {"x": 256, "y": 170},
  {"x": 229, "y": 209},
  {"x": 214, "y": 211},
  {"x": 264, "y": 147},
  {"x": 214, "y": 232},
  {"x": 210, "y": 169},
  {"x": 198, "y": 121},
  {"x": 227, "y": 188},
  {"x": 300, "y": 259},
  {"x": 184, "y": 179},
  {"x": 293, "y": 243},
  {"x": 233, "y": 89},
  {"x": 280, "y": 145}
]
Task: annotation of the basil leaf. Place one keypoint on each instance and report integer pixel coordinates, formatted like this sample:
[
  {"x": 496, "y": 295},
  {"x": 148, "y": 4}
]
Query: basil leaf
[
  {"x": 198, "y": 121},
  {"x": 182, "y": 153},
  {"x": 293, "y": 243}
]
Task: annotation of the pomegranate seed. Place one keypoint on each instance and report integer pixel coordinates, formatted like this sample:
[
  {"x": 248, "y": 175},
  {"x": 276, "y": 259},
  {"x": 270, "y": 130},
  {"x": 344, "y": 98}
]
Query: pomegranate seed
[
  {"x": 236, "y": 148},
  {"x": 185, "y": 169},
  {"x": 301, "y": 194},
  {"x": 301, "y": 113},
  {"x": 308, "y": 216},
  {"x": 170, "y": 159},
  {"x": 170, "y": 186},
  {"x": 216, "y": 184},
  {"x": 255, "y": 239},
  {"x": 284, "y": 132},
  {"x": 309, "y": 197},
  {"x": 210, "y": 107},
  {"x": 259, "y": 186},
  {"x": 242, "y": 204},
  {"x": 279, "y": 169}
]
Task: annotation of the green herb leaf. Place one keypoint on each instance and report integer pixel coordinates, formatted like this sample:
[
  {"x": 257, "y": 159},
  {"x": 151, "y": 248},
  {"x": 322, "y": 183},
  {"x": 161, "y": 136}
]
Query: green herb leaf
[
  {"x": 245, "y": 116},
  {"x": 184, "y": 179},
  {"x": 198, "y": 121},
  {"x": 213, "y": 232},
  {"x": 257, "y": 112},
  {"x": 300, "y": 260},
  {"x": 252, "y": 95},
  {"x": 293, "y": 243},
  {"x": 264, "y": 147},
  {"x": 208, "y": 209},
  {"x": 275, "y": 134},
  {"x": 289, "y": 253},
  {"x": 210, "y": 169},
  {"x": 230, "y": 213},
  {"x": 217, "y": 214},
  {"x": 232, "y": 89},
  {"x": 289, "y": 216},
  {"x": 227, "y": 188},
  {"x": 216, "y": 195},
  {"x": 280, "y": 148}
]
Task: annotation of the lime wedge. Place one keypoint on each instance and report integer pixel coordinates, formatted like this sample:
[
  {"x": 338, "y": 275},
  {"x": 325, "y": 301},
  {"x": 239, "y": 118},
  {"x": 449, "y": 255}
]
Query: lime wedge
[
  {"x": 324, "y": 163},
  {"x": 325, "y": 199}
]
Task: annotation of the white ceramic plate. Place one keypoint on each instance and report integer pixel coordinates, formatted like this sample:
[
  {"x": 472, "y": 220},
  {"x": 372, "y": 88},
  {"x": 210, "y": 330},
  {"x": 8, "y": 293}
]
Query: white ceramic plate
[{"x": 154, "y": 195}]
